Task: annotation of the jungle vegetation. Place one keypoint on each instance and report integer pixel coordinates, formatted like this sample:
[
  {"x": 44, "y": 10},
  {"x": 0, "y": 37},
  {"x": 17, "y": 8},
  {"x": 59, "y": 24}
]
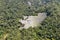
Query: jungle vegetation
[{"x": 13, "y": 10}]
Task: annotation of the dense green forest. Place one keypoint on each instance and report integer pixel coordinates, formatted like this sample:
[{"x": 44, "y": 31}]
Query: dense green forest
[{"x": 13, "y": 10}]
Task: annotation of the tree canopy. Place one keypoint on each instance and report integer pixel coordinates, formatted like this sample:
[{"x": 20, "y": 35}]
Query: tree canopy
[{"x": 13, "y": 10}]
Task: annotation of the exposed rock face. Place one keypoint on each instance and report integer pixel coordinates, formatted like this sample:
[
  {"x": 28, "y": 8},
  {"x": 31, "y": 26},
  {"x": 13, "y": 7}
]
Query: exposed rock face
[
  {"x": 32, "y": 21},
  {"x": 29, "y": 3}
]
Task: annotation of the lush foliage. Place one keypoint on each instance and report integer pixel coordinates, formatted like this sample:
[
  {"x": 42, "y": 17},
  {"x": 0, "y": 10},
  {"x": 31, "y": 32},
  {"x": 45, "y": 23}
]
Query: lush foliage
[{"x": 13, "y": 10}]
